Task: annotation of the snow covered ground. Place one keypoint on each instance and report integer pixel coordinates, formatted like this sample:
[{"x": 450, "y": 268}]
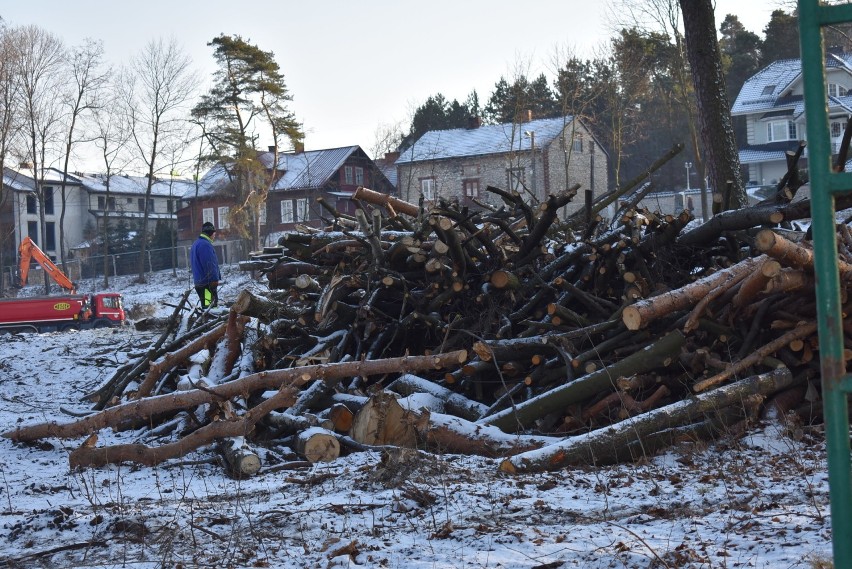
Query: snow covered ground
[{"x": 760, "y": 501}]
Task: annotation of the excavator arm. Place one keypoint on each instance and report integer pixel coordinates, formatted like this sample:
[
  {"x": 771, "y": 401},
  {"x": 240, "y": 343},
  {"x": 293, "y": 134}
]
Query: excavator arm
[{"x": 29, "y": 251}]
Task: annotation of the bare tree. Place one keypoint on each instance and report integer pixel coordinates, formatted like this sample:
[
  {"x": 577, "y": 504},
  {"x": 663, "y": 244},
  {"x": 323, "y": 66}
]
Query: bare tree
[
  {"x": 89, "y": 76},
  {"x": 387, "y": 138},
  {"x": 157, "y": 103},
  {"x": 39, "y": 70},
  {"x": 111, "y": 137},
  {"x": 9, "y": 127}
]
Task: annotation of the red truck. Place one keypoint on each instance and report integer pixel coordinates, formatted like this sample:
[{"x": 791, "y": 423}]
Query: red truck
[{"x": 61, "y": 312}]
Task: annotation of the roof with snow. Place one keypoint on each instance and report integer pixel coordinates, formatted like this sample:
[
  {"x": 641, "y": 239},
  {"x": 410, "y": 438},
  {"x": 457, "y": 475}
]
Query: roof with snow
[
  {"x": 22, "y": 178},
  {"x": 770, "y": 89},
  {"x": 135, "y": 185},
  {"x": 305, "y": 170},
  {"x": 484, "y": 140}
]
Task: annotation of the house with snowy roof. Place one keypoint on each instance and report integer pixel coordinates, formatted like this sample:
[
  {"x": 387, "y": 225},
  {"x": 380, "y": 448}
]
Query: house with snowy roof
[
  {"x": 535, "y": 158},
  {"x": 81, "y": 208},
  {"x": 301, "y": 178},
  {"x": 772, "y": 102},
  {"x": 25, "y": 213}
]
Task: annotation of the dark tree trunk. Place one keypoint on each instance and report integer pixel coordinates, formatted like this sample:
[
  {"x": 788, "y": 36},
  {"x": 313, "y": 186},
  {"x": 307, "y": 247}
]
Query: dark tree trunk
[{"x": 714, "y": 111}]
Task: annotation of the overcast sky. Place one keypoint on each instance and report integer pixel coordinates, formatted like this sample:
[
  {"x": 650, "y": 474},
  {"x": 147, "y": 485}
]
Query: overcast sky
[{"x": 353, "y": 66}]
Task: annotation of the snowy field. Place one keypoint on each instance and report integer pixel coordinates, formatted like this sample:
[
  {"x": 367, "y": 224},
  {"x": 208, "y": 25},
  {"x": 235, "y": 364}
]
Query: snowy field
[{"x": 758, "y": 501}]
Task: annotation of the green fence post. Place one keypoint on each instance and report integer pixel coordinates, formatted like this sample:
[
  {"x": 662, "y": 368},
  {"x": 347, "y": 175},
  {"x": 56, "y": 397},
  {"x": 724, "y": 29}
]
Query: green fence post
[{"x": 825, "y": 183}]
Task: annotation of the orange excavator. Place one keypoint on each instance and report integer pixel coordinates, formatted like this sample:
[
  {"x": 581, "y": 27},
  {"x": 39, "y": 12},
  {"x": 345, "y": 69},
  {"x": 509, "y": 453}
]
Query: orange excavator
[{"x": 29, "y": 251}]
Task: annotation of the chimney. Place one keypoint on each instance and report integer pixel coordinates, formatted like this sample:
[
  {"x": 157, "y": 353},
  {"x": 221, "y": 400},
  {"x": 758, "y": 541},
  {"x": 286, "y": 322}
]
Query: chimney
[
  {"x": 529, "y": 115},
  {"x": 298, "y": 147},
  {"x": 473, "y": 122},
  {"x": 391, "y": 157}
]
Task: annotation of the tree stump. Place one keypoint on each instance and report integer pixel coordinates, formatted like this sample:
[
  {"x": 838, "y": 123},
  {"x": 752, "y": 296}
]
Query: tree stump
[{"x": 317, "y": 445}]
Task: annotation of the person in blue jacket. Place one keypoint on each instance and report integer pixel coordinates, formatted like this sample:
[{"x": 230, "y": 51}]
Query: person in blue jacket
[{"x": 205, "y": 266}]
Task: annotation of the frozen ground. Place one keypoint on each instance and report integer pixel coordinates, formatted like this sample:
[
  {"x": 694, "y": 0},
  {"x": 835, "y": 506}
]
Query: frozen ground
[{"x": 759, "y": 501}]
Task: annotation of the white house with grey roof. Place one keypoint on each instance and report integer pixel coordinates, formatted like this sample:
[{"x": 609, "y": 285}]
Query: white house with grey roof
[
  {"x": 772, "y": 102},
  {"x": 535, "y": 158},
  {"x": 88, "y": 204}
]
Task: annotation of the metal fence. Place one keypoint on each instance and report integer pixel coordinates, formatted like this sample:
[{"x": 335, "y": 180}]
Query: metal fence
[{"x": 128, "y": 263}]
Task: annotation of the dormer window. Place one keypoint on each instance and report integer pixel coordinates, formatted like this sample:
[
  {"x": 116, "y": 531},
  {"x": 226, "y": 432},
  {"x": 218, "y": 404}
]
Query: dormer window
[
  {"x": 835, "y": 90},
  {"x": 768, "y": 90}
]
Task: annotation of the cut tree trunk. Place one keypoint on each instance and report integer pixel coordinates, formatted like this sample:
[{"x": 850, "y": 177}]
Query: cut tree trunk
[
  {"x": 261, "y": 381},
  {"x": 602, "y": 446},
  {"x": 382, "y": 421},
  {"x": 659, "y": 354},
  {"x": 317, "y": 445},
  {"x": 645, "y": 311},
  {"x": 450, "y": 434},
  {"x": 242, "y": 461}
]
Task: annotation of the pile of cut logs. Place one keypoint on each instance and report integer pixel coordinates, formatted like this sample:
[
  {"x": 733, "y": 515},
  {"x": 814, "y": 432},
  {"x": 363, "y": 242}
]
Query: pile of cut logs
[{"x": 507, "y": 332}]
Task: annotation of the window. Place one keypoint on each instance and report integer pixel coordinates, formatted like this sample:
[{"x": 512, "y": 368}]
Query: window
[
  {"x": 32, "y": 204},
  {"x": 359, "y": 176},
  {"x": 768, "y": 90},
  {"x": 170, "y": 206},
  {"x": 835, "y": 90},
  {"x": 301, "y": 209},
  {"x": 207, "y": 215},
  {"x": 577, "y": 145},
  {"x": 32, "y": 231},
  {"x": 261, "y": 214},
  {"x": 140, "y": 203},
  {"x": 286, "y": 211},
  {"x": 780, "y": 130},
  {"x": 836, "y": 129},
  {"x": 103, "y": 203},
  {"x": 48, "y": 200},
  {"x": 515, "y": 177},
  {"x": 427, "y": 188},
  {"x": 50, "y": 235},
  {"x": 223, "y": 218},
  {"x": 471, "y": 188},
  {"x": 347, "y": 174}
]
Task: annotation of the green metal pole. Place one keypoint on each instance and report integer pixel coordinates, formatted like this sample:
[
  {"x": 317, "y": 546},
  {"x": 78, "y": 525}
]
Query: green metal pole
[{"x": 812, "y": 16}]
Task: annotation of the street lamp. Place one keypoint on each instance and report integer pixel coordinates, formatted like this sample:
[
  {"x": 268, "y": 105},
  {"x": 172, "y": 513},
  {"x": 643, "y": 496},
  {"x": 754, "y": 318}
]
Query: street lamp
[{"x": 688, "y": 166}]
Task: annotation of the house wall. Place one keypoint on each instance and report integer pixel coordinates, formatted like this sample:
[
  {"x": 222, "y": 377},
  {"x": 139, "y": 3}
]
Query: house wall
[
  {"x": 191, "y": 217},
  {"x": 73, "y": 223},
  {"x": 130, "y": 203},
  {"x": 567, "y": 165},
  {"x": 555, "y": 169},
  {"x": 769, "y": 173}
]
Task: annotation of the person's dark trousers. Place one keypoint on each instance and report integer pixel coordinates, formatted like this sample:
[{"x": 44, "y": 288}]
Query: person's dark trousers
[{"x": 207, "y": 294}]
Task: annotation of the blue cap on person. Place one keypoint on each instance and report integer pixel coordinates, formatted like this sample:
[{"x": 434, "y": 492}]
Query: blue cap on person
[{"x": 208, "y": 228}]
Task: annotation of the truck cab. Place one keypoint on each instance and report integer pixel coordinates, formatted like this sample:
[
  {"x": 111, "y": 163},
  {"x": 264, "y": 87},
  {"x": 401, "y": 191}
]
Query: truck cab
[{"x": 107, "y": 309}]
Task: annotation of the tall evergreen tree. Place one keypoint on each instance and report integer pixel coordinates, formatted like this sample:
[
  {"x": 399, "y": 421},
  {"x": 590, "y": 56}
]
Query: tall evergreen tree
[
  {"x": 248, "y": 93},
  {"x": 439, "y": 114},
  {"x": 513, "y": 103},
  {"x": 781, "y": 38}
]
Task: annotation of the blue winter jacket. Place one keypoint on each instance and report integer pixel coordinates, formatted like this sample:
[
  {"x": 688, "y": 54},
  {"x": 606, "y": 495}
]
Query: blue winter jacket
[{"x": 205, "y": 265}]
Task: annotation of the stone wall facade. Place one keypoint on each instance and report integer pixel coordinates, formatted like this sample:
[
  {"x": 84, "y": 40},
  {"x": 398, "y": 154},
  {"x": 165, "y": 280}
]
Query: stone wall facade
[{"x": 573, "y": 158}]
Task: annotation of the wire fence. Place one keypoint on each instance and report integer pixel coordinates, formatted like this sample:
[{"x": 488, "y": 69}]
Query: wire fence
[{"x": 128, "y": 263}]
